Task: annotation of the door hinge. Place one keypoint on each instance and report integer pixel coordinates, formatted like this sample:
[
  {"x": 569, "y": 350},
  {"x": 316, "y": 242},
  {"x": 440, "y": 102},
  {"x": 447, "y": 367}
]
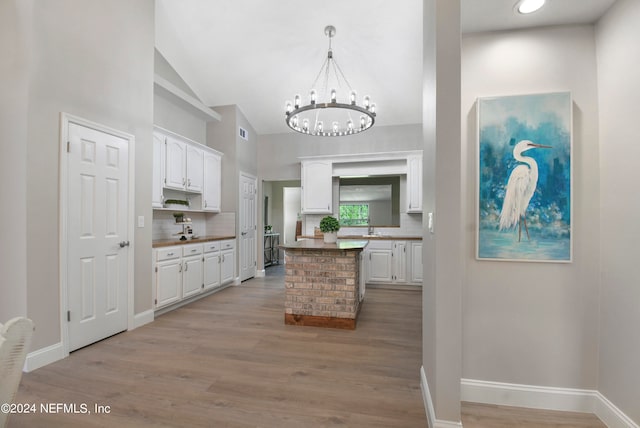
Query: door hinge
[
  {"x": 156, "y": 268},
  {"x": 155, "y": 302},
  {"x": 68, "y": 316},
  {"x": 68, "y": 146}
]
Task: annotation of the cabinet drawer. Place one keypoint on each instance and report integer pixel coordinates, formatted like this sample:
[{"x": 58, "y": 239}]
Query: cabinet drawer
[
  {"x": 225, "y": 245},
  {"x": 168, "y": 253},
  {"x": 191, "y": 250},
  {"x": 211, "y": 247}
]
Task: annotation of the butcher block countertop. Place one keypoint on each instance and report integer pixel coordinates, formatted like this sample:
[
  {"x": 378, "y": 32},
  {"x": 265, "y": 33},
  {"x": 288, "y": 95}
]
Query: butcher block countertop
[{"x": 176, "y": 241}]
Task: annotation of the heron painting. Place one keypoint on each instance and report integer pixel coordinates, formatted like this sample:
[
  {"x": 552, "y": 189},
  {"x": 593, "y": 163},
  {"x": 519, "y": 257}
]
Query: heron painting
[{"x": 524, "y": 178}]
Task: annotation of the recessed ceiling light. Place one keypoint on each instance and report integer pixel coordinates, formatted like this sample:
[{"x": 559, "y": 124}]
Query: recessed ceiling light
[{"x": 529, "y": 6}]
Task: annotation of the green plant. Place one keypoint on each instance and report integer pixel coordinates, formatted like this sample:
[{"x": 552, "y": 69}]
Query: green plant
[
  {"x": 178, "y": 215},
  {"x": 329, "y": 224},
  {"x": 177, "y": 202}
]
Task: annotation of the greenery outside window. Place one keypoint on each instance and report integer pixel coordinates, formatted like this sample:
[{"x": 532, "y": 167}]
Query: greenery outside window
[{"x": 354, "y": 214}]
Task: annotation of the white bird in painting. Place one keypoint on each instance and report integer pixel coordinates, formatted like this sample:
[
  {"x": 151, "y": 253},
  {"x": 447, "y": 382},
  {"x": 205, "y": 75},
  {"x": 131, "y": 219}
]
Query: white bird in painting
[{"x": 520, "y": 188}]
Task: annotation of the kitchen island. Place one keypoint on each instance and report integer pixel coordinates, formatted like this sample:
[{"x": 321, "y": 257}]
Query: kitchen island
[{"x": 323, "y": 283}]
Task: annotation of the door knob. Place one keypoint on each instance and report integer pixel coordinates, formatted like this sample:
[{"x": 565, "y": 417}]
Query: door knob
[
  {"x": 124, "y": 244},
  {"x": 243, "y": 233}
]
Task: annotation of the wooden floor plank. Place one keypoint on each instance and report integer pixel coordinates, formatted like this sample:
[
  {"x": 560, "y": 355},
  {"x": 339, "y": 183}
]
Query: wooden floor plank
[{"x": 228, "y": 360}]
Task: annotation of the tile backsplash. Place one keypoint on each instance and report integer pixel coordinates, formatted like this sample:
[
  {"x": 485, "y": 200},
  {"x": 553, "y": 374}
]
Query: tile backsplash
[{"x": 165, "y": 227}]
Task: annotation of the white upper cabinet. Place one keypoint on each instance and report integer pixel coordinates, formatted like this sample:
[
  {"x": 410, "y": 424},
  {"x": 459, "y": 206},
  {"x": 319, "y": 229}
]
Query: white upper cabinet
[
  {"x": 159, "y": 156},
  {"x": 316, "y": 187},
  {"x": 414, "y": 184},
  {"x": 176, "y": 164},
  {"x": 185, "y": 169},
  {"x": 211, "y": 184},
  {"x": 194, "y": 169}
]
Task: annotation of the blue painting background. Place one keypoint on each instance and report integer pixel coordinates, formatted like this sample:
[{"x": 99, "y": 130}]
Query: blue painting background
[{"x": 503, "y": 122}]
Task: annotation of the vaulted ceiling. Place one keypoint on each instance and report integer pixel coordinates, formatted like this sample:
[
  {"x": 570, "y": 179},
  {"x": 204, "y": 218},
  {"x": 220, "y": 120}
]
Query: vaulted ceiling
[{"x": 258, "y": 54}]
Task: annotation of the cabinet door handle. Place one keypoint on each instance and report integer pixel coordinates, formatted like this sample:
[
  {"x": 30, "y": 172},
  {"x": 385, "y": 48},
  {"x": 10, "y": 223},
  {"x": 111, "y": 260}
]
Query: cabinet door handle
[
  {"x": 186, "y": 267},
  {"x": 180, "y": 270},
  {"x": 205, "y": 203},
  {"x": 169, "y": 254},
  {"x": 223, "y": 258},
  {"x": 184, "y": 181},
  {"x": 189, "y": 182},
  {"x": 218, "y": 259}
]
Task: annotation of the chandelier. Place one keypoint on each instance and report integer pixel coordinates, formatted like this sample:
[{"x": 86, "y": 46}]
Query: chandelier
[{"x": 333, "y": 111}]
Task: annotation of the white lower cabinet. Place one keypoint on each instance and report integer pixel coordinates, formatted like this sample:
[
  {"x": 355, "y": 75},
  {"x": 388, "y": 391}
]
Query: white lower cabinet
[
  {"x": 227, "y": 261},
  {"x": 191, "y": 270},
  {"x": 391, "y": 262},
  {"x": 211, "y": 259},
  {"x": 399, "y": 256},
  {"x": 185, "y": 271},
  {"x": 416, "y": 261},
  {"x": 378, "y": 260},
  {"x": 168, "y": 282}
]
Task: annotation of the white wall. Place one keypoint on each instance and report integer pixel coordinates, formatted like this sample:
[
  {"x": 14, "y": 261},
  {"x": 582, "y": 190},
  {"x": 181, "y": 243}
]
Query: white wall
[
  {"x": 442, "y": 195},
  {"x": 535, "y": 323},
  {"x": 278, "y": 153},
  {"x": 617, "y": 37},
  {"x": 14, "y": 44},
  {"x": 168, "y": 114},
  {"x": 92, "y": 59}
]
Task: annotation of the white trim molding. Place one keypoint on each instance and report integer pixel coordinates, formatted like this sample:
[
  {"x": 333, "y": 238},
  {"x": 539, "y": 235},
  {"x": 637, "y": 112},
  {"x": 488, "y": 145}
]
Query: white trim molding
[
  {"x": 544, "y": 397},
  {"x": 43, "y": 356},
  {"x": 142, "y": 318},
  {"x": 428, "y": 406}
]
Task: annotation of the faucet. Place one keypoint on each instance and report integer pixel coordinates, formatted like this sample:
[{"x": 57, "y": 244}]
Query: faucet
[{"x": 370, "y": 227}]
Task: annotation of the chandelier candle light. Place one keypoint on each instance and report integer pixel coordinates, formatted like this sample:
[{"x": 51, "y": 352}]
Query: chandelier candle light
[{"x": 327, "y": 115}]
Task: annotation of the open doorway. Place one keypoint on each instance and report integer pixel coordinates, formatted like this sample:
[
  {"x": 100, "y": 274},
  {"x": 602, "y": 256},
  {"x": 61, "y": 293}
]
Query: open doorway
[{"x": 281, "y": 211}]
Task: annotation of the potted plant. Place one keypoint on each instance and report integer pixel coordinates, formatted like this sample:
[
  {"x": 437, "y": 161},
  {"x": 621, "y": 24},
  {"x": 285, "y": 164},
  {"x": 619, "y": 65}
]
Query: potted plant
[
  {"x": 329, "y": 226},
  {"x": 176, "y": 204},
  {"x": 179, "y": 217}
]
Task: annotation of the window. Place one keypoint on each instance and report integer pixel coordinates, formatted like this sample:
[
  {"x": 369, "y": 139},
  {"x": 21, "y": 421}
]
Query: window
[{"x": 354, "y": 214}]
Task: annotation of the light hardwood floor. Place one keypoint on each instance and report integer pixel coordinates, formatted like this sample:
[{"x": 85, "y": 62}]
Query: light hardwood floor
[{"x": 228, "y": 360}]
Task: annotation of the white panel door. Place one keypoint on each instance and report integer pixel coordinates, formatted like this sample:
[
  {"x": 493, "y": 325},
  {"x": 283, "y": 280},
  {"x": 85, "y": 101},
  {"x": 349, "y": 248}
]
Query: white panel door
[
  {"x": 248, "y": 226},
  {"x": 97, "y": 241}
]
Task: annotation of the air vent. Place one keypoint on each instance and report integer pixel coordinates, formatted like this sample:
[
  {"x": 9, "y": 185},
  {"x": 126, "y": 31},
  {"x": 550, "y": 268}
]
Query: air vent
[{"x": 243, "y": 134}]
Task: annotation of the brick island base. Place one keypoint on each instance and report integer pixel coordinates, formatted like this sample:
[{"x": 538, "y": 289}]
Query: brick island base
[{"x": 322, "y": 283}]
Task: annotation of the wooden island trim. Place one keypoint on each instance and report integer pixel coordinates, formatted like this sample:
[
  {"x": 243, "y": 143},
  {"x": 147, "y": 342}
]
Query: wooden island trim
[{"x": 322, "y": 283}]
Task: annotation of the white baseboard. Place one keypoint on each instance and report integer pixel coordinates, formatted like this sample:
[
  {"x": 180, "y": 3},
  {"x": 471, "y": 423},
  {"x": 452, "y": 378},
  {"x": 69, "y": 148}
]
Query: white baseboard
[
  {"x": 548, "y": 398},
  {"x": 428, "y": 406},
  {"x": 43, "y": 356},
  {"x": 260, "y": 273},
  {"x": 610, "y": 414},
  {"x": 143, "y": 318}
]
